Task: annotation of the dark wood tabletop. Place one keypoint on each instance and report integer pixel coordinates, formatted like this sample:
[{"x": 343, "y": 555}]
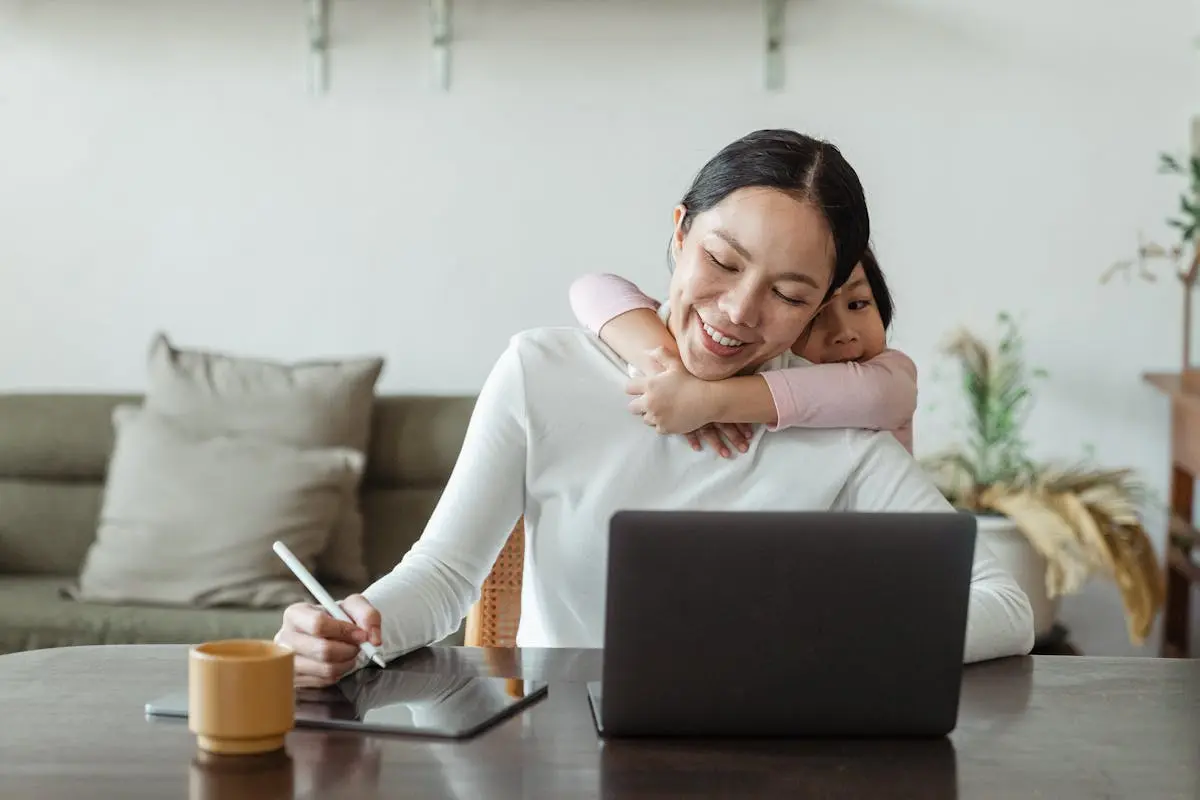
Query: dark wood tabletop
[{"x": 72, "y": 725}]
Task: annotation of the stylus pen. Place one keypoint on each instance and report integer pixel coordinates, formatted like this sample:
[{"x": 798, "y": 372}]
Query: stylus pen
[{"x": 318, "y": 591}]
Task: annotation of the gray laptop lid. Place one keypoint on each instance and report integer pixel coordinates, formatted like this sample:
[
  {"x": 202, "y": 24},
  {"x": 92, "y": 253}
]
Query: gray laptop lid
[{"x": 785, "y": 623}]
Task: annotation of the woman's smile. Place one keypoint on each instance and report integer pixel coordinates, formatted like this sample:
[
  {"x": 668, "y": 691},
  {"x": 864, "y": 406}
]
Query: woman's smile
[{"x": 717, "y": 341}]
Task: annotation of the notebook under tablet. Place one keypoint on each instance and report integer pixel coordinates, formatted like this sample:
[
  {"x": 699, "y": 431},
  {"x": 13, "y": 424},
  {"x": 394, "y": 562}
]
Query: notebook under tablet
[
  {"x": 784, "y": 623},
  {"x": 395, "y": 701}
]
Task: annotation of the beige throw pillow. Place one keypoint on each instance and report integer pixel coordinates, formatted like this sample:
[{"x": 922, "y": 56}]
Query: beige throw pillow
[
  {"x": 190, "y": 519},
  {"x": 320, "y": 403}
]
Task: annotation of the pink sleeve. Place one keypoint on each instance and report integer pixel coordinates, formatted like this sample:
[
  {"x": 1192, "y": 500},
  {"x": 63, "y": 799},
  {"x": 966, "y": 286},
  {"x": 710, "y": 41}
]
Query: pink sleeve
[
  {"x": 880, "y": 394},
  {"x": 598, "y": 297}
]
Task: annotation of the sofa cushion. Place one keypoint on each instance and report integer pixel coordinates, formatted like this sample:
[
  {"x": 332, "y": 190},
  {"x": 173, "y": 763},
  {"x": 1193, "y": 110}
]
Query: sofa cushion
[
  {"x": 317, "y": 403},
  {"x": 34, "y": 615},
  {"x": 46, "y": 526},
  {"x": 189, "y": 520},
  {"x": 55, "y": 448}
]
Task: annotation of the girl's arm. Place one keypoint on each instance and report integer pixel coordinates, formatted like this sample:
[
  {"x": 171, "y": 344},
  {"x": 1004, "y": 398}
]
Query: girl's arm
[
  {"x": 880, "y": 394},
  {"x": 622, "y": 316}
]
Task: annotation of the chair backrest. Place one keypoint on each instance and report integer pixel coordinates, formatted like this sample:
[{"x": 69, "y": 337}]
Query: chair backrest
[{"x": 493, "y": 620}]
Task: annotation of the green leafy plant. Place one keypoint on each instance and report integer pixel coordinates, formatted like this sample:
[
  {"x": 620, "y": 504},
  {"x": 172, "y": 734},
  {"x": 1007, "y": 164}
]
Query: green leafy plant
[
  {"x": 996, "y": 388},
  {"x": 1188, "y": 220},
  {"x": 1081, "y": 519}
]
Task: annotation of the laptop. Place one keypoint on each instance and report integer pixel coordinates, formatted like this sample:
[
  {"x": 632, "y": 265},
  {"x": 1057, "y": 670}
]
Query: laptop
[{"x": 826, "y": 624}]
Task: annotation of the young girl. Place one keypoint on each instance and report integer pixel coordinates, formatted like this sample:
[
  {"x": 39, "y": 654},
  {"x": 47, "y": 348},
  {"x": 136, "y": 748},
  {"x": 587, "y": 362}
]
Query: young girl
[{"x": 855, "y": 380}]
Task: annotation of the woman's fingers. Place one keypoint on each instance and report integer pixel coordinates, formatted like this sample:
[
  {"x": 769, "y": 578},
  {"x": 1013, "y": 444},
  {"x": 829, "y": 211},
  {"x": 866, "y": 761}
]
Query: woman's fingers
[
  {"x": 312, "y": 674},
  {"x": 325, "y": 648},
  {"x": 313, "y": 620},
  {"x": 365, "y": 615},
  {"x": 734, "y": 435},
  {"x": 711, "y": 435}
]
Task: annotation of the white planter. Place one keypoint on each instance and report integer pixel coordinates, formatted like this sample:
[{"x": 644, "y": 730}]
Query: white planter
[{"x": 1027, "y": 566}]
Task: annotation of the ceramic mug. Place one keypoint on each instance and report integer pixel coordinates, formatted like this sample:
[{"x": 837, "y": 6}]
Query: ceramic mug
[{"x": 241, "y": 696}]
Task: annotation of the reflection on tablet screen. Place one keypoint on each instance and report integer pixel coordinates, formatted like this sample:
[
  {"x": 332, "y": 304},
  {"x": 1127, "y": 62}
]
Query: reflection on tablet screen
[
  {"x": 433, "y": 705},
  {"x": 393, "y": 701}
]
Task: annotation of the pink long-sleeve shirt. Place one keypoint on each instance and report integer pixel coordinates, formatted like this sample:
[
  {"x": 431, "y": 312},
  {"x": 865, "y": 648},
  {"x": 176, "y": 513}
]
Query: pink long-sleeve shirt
[{"x": 877, "y": 394}]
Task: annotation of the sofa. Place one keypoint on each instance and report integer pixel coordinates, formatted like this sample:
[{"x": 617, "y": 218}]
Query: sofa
[{"x": 54, "y": 451}]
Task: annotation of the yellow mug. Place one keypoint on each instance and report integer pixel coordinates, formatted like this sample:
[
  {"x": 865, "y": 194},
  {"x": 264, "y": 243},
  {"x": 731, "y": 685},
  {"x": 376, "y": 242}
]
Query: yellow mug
[{"x": 241, "y": 696}]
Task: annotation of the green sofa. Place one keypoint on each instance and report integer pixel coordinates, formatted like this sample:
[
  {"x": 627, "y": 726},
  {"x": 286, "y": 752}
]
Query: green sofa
[{"x": 54, "y": 450}]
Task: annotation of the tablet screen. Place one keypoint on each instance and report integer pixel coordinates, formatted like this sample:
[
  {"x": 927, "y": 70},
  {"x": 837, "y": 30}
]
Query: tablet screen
[{"x": 395, "y": 701}]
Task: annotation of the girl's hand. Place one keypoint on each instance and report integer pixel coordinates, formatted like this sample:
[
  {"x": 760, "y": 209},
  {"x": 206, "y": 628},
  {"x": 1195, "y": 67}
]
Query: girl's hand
[{"x": 671, "y": 400}]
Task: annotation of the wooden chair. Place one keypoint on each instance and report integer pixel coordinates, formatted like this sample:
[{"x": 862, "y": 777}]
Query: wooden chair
[{"x": 493, "y": 620}]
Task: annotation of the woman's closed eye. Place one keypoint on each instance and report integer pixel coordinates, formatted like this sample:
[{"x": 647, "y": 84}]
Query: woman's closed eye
[
  {"x": 717, "y": 263},
  {"x": 791, "y": 301}
]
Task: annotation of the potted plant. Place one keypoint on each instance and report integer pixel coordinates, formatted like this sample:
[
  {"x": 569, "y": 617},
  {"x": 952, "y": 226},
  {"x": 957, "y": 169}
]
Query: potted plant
[{"x": 1053, "y": 527}]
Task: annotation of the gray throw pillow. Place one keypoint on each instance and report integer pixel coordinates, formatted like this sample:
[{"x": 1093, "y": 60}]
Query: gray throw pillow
[
  {"x": 317, "y": 403},
  {"x": 189, "y": 519}
]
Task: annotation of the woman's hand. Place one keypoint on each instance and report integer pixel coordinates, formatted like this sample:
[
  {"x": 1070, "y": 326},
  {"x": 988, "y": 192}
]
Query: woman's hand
[
  {"x": 672, "y": 400},
  {"x": 327, "y": 648},
  {"x": 722, "y": 436}
]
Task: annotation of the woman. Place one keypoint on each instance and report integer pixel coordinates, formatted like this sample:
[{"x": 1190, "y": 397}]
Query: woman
[{"x": 772, "y": 226}]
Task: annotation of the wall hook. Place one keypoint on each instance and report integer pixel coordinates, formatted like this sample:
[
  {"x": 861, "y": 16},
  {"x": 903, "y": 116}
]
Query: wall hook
[{"x": 318, "y": 46}]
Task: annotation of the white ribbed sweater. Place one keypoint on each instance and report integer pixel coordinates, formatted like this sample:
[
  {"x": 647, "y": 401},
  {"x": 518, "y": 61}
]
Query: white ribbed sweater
[{"x": 551, "y": 438}]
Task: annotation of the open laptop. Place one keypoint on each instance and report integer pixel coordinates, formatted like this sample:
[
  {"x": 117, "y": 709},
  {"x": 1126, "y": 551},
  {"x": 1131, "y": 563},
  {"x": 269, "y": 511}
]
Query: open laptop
[{"x": 784, "y": 623}]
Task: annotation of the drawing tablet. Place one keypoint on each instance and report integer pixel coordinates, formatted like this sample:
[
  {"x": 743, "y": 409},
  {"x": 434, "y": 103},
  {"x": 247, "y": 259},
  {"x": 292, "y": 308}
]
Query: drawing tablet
[{"x": 393, "y": 701}]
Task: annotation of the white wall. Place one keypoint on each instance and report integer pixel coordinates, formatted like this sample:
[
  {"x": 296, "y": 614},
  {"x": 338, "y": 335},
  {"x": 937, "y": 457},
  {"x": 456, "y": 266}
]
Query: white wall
[{"x": 161, "y": 166}]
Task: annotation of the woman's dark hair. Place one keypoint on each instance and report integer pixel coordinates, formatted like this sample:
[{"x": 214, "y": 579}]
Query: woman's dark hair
[
  {"x": 800, "y": 165},
  {"x": 879, "y": 287}
]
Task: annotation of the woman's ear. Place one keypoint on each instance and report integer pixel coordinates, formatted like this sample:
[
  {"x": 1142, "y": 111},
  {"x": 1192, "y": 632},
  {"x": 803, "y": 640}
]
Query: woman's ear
[{"x": 678, "y": 216}]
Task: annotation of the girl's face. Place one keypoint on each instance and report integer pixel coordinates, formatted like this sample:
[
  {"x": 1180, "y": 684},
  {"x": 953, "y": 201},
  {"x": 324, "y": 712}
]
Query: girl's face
[{"x": 848, "y": 328}]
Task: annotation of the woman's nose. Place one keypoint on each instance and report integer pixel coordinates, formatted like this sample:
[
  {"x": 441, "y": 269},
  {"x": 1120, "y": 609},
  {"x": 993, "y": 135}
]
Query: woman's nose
[{"x": 740, "y": 306}]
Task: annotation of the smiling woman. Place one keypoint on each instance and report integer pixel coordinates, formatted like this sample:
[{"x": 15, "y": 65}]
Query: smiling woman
[{"x": 771, "y": 227}]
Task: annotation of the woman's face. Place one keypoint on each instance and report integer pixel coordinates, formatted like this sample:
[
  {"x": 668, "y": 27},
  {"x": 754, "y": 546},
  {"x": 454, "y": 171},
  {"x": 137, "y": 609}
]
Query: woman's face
[
  {"x": 750, "y": 274},
  {"x": 848, "y": 328}
]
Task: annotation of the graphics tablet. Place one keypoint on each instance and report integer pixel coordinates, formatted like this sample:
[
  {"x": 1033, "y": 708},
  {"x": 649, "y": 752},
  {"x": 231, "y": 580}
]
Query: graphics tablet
[{"x": 394, "y": 701}]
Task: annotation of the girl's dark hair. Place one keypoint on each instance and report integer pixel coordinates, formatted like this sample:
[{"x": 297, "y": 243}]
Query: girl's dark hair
[
  {"x": 800, "y": 165},
  {"x": 879, "y": 287}
]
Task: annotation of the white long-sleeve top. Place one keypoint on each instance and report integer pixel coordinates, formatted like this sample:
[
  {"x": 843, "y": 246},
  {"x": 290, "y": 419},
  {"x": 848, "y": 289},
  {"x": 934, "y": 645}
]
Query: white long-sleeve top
[{"x": 551, "y": 437}]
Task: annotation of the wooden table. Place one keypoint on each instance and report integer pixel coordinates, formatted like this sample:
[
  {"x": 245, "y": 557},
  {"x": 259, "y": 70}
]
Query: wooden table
[
  {"x": 1181, "y": 571},
  {"x": 72, "y": 726}
]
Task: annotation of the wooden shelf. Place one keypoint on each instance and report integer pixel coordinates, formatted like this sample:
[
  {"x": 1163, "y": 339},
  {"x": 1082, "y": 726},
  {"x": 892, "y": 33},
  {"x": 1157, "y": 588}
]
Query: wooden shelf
[
  {"x": 1181, "y": 562},
  {"x": 1170, "y": 650},
  {"x": 441, "y": 38},
  {"x": 1182, "y": 573},
  {"x": 1182, "y": 532}
]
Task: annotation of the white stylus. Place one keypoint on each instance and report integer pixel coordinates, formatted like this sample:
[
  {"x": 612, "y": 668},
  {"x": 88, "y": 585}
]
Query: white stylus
[{"x": 322, "y": 596}]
